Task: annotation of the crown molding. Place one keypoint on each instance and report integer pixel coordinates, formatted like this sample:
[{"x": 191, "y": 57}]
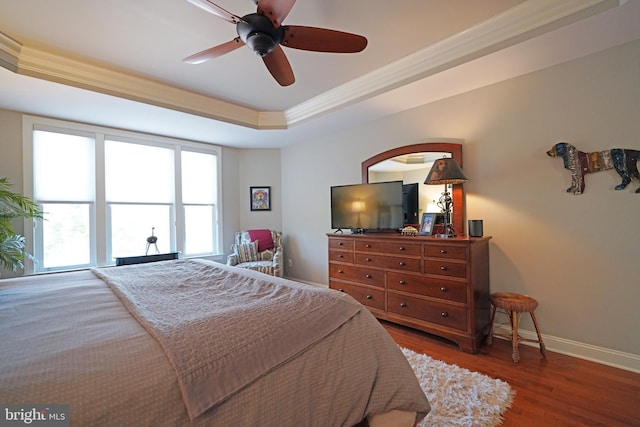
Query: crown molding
[
  {"x": 9, "y": 52},
  {"x": 44, "y": 65},
  {"x": 527, "y": 20}
]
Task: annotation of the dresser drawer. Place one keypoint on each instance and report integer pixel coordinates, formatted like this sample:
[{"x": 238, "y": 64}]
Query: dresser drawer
[
  {"x": 429, "y": 311},
  {"x": 429, "y": 286},
  {"x": 439, "y": 286},
  {"x": 352, "y": 273},
  {"x": 341, "y": 256},
  {"x": 342, "y": 244},
  {"x": 373, "y": 298},
  {"x": 391, "y": 262},
  {"x": 391, "y": 248},
  {"x": 445, "y": 268},
  {"x": 445, "y": 251}
]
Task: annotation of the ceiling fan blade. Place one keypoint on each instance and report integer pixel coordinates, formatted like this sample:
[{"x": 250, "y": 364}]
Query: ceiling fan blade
[
  {"x": 322, "y": 40},
  {"x": 216, "y": 10},
  {"x": 279, "y": 67},
  {"x": 275, "y": 10},
  {"x": 214, "y": 52}
]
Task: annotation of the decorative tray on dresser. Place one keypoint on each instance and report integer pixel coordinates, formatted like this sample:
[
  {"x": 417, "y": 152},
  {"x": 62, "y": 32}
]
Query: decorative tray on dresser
[{"x": 439, "y": 286}]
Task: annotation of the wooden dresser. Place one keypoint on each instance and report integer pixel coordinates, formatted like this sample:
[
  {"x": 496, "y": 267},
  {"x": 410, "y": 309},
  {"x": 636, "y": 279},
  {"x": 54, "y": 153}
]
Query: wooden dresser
[{"x": 440, "y": 286}]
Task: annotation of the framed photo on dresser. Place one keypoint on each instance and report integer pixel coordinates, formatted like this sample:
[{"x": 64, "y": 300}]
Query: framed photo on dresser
[{"x": 427, "y": 223}]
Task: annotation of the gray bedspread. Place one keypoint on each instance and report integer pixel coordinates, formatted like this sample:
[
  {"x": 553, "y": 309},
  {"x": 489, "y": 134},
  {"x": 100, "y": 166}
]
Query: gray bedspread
[
  {"x": 186, "y": 303},
  {"x": 66, "y": 338}
]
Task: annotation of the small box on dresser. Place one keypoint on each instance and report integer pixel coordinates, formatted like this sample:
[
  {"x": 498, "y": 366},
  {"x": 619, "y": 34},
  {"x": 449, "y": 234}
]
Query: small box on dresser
[{"x": 440, "y": 286}]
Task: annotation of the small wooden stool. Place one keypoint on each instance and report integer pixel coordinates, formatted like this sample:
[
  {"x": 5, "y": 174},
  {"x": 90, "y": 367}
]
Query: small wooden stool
[{"x": 515, "y": 304}]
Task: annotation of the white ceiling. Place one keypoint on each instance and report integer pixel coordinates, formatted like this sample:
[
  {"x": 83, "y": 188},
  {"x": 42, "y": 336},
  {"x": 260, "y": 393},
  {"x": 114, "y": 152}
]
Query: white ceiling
[{"x": 118, "y": 63}]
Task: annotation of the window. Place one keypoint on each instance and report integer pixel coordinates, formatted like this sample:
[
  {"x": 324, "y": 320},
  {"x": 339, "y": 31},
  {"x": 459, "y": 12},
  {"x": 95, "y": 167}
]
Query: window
[
  {"x": 104, "y": 192},
  {"x": 199, "y": 195},
  {"x": 139, "y": 196}
]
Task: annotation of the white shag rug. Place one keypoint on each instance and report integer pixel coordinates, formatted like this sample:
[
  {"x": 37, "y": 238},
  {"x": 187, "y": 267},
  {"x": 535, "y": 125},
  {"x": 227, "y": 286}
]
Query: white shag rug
[{"x": 459, "y": 397}]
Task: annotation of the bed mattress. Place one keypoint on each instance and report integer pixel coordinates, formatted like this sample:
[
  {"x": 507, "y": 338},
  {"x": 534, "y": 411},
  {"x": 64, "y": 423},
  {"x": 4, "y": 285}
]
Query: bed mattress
[{"x": 66, "y": 338}]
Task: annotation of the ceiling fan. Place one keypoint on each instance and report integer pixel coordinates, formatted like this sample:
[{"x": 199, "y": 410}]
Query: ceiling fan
[{"x": 264, "y": 33}]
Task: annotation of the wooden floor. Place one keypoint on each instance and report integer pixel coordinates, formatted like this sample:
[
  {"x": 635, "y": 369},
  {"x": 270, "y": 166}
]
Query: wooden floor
[{"x": 557, "y": 391}]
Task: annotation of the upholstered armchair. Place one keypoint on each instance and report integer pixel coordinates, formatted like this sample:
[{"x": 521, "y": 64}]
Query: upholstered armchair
[{"x": 249, "y": 251}]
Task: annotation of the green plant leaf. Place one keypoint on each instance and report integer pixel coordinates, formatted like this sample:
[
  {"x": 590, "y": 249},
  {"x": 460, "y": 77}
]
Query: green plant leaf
[
  {"x": 12, "y": 252},
  {"x": 13, "y": 206}
]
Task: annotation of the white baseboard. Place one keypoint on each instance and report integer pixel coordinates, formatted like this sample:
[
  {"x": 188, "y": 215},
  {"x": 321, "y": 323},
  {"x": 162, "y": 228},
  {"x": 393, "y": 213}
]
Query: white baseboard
[
  {"x": 320, "y": 285},
  {"x": 605, "y": 356}
]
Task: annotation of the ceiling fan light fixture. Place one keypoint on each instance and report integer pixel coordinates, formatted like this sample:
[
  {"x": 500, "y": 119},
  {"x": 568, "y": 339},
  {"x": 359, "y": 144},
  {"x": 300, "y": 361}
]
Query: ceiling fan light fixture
[
  {"x": 260, "y": 43},
  {"x": 263, "y": 33},
  {"x": 259, "y": 34}
]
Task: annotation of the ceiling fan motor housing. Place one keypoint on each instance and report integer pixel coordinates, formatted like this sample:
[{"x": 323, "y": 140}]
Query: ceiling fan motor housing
[{"x": 259, "y": 34}]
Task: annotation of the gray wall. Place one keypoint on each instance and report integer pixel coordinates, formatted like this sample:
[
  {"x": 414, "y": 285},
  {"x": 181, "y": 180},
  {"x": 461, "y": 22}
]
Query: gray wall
[
  {"x": 11, "y": 161},
  {"x": 244, "y": 169},
  {"x": 578, "y": 255},
  {"x": 259, "y": 168}
]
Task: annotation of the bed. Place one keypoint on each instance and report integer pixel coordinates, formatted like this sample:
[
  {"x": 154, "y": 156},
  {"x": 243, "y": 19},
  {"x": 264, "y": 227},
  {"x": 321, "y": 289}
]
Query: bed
[{"x": 198, "y": 343}]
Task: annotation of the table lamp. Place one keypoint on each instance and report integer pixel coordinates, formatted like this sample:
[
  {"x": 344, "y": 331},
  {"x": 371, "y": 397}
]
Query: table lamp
[{"x": 446, "y": 171}]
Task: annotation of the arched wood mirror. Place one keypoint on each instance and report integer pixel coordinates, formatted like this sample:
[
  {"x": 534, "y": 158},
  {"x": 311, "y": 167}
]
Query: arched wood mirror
[{"x": 412, "y": 162}]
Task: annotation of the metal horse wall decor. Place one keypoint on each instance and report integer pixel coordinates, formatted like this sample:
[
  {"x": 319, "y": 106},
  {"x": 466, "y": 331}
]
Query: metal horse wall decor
[{"x": 579, "y": 163}]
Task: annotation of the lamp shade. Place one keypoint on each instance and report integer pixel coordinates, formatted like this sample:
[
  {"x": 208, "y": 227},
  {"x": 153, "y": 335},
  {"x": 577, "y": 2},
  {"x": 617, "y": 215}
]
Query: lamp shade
[{"x": 445, "y": 171}]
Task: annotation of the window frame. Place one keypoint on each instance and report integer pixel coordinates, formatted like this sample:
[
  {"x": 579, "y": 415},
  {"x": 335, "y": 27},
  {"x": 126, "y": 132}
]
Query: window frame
[{"x": 100, "y": 227}]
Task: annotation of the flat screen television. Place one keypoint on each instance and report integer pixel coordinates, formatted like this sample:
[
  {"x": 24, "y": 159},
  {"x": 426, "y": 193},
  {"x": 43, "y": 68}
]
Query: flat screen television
[
  {"x": 367, "y": 207},
  {"x": 410, "y": 201}
]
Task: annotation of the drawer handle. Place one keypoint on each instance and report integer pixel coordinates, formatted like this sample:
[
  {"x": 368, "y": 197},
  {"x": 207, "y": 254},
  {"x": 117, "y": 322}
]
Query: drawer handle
[
  {"x": 367, "y": 245},
  {"x": 340, "y": 256},
  {"x": 402, "y": 248},
  {"x": 368, "y": 259},
  {"x": 341, "y": 290},
  {"x": 340, "y": 243},
  {"x": 402, "y": 282},
  {"x": 443, "y": 289},
  {"x": 369, "y": 297},
  {"x": 443, "y": 251},
  {"x": 368, "y": 276},
  {"x": 444, "y": 314},
  {"x": 402, "y": 263},
  {"x": 443, "y": 268},
  {"x": 340, "y": 271},
  {"x": 403, "y": 304}
]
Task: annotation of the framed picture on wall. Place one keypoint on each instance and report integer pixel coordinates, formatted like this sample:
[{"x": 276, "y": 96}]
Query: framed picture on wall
[
  {"x": 260, "y": 198},
  {"x": 427, "y": 223}
]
